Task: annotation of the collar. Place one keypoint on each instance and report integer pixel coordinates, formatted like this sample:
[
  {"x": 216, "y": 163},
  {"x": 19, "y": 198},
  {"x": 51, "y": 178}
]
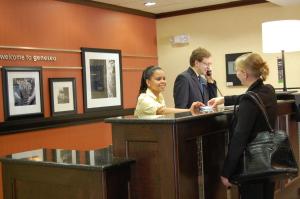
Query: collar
[
  {"x": 200, "y": 77},
  {"x": 151, "y": 94},
  {"x": 195, "y": 71},
  {"x": 256, "y": 84}
]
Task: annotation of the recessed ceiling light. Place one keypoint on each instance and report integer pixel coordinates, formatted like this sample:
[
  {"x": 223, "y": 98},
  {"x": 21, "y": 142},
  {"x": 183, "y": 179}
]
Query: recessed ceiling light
[{"x": 149, "y": 3}]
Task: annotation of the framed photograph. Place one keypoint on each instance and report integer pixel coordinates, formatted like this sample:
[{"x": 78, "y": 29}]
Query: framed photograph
[
  {"x": 65, "y": 156},
  {"x": 99, "y": 156},
  {"x": 22, "y": 92},
  {"x": 63, "y": 96},
  {"x": 35, "y": 155},
  {"x": 102, "y": 79},
  {"x": 231, "y": 79}
]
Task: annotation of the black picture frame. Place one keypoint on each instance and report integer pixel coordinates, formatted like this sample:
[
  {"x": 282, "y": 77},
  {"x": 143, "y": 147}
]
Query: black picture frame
[
  {"x": 22, "y": 92},
  {"x": 63, "y": 96},
  {"x": 102, "y": 79},
  {"x": 231, "y": 79}
]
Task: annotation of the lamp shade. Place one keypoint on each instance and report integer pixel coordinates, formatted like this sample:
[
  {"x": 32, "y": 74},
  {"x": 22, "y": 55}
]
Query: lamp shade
[{"x": 281, "y": 35}]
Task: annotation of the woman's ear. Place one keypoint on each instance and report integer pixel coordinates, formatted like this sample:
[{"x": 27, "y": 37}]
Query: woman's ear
[{"x": 148, "y": 83}]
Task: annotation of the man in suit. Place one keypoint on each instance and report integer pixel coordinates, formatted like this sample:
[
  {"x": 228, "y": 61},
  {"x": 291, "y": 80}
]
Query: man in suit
[{"x": 196, "y": 83}]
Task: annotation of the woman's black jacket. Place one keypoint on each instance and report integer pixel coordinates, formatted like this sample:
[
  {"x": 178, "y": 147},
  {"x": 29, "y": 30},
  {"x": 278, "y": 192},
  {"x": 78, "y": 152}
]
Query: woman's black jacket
[{"x": 248, "y": 121}]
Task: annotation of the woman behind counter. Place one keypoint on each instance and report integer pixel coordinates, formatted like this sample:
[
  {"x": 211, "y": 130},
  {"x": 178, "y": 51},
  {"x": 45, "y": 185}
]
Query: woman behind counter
[
  {"x": 151, "y": 100},
  {"x": 251, "y": 70}
]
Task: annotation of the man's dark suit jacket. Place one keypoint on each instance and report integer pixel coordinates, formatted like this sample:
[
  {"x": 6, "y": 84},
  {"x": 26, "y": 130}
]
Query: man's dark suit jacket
[{"x": 187, "y": 90}]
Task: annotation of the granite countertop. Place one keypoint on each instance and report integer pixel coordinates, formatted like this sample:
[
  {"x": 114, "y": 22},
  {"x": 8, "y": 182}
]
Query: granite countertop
[
  {"x": 178, "y": 117},
  {"x": 170, "y": 118}
]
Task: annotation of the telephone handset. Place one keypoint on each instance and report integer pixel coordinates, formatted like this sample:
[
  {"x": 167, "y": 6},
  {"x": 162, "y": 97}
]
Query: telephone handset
[{"x": 208, "y": 72}]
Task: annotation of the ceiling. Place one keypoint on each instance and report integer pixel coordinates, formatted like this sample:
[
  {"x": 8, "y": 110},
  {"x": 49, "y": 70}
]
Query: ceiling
[{"x": 165, "y": 6}]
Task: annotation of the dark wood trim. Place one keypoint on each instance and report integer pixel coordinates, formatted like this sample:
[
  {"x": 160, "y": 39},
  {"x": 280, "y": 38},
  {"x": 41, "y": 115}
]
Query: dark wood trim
[
  {"x": 164, "y": 14},
  {"x": 209, "y": 8},
  {"x": 111, "y": 7},
  {"x": 32, "y": 124}
]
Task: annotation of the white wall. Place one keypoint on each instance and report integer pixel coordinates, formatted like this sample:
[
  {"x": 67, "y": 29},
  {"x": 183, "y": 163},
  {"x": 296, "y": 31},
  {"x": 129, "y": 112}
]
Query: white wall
[{"x": 223, "y": 31}]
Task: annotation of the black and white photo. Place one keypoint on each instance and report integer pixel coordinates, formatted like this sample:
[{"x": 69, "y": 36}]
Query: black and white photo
[
  {"x": 63, "y": 96},
  {"x": 22, "y": 92},
  {"x": 102, "y": 79}
]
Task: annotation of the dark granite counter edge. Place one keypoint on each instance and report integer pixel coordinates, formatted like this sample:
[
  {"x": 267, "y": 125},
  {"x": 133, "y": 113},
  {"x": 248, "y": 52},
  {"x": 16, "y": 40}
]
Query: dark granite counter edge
[
  {"x": 70, "y": 166},
  {"x": 167, "y": 119}
]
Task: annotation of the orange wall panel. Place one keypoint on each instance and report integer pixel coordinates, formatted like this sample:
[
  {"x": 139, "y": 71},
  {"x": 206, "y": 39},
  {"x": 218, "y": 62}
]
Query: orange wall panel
[
  {"x": 138, "y": 62},
  {"x": 55, "y": 24},
  {"x": 131, "y": 80},
  {"x": 81, "y": 137},
  {"x": 1, "y": 101},
  {"x": 62, "y": 58},
  {"x": 60, "y": 25}
]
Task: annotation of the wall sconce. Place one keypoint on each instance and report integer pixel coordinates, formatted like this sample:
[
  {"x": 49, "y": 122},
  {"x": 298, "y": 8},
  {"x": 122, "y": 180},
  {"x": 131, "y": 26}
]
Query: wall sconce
[{"x": 281, "y": 36}]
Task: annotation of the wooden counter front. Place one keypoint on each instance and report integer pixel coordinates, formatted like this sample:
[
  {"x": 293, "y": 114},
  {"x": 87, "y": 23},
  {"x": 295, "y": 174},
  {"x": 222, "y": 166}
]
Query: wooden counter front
[
  {"x": 65, "y": 174},
  {"x": 180, "y": 156}
]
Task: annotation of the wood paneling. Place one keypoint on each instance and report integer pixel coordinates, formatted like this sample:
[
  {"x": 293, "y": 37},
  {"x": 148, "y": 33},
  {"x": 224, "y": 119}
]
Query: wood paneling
[
  {"x": 184, "y": 158},
  {"x": 139, "y": 149},
  {"x": 24, "y": 180},
  {"x": 167, "y": 156}
]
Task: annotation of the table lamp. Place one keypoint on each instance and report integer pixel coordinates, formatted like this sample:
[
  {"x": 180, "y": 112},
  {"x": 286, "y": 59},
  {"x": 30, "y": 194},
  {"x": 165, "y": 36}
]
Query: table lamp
[{"x": 281, "y": 36}]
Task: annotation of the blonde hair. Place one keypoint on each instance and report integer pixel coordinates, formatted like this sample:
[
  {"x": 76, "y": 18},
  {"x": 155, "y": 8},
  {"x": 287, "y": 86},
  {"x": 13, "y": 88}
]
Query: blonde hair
[{"x": 253, "y": 63}]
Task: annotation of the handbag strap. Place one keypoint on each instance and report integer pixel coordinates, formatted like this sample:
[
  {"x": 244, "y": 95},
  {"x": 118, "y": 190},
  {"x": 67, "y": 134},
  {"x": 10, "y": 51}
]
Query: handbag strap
[{"x": 258, "y": 101}]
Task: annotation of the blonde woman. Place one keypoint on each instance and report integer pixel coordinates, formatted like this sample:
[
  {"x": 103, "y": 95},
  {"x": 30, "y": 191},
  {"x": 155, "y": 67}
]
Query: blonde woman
[{"x": 252, "y": 71}]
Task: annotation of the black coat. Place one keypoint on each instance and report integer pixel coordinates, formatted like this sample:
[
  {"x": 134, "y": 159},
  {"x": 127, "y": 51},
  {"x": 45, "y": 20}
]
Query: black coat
[
  {"x": 248, "y": 121},
  {"x": 187, "y": 90}
]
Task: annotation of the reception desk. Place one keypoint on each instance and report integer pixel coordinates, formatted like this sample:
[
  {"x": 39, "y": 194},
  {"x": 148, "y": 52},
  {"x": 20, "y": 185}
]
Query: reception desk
[
  {"x": 65, "y": 174},
  {"x": 180, "y": 156}
]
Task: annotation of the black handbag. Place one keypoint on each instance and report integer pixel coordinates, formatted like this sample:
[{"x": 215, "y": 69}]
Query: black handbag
[{"x": 268, "y": 156}]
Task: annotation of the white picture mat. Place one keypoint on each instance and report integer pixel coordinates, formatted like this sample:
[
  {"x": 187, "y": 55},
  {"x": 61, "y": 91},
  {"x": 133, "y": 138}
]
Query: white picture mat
[
  {"x": 29, "y": 154},
  {"x": 103, "y": 102},
  {"x": 28, "y": 109},
  {"x": 231, "y": 68},
  {"x": 59, "y": 157},
  {"x": 92, "y": 157},
  {"x": 66, "y": 106}
]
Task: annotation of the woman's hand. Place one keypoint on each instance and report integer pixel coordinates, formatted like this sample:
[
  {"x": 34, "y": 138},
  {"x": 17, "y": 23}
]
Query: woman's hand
[
  {"x": 195, "y": 107},
  {"x": 214, "y": 102},
  {"x": 226, "y": 182}
]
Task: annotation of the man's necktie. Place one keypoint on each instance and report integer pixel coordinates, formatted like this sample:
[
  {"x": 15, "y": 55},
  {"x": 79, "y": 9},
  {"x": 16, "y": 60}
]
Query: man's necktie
[{"x": 202, "y": 86}]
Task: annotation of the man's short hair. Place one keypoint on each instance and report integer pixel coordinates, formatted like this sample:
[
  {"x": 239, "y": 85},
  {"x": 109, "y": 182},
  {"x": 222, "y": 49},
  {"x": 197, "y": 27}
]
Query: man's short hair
[{"x": 199, "y": 54}]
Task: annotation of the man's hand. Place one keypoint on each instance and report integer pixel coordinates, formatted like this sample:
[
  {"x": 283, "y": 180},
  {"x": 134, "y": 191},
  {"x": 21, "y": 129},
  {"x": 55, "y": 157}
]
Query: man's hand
[
  {"x": 195, "y": 107},
  {"x": 208, "y": 76}
]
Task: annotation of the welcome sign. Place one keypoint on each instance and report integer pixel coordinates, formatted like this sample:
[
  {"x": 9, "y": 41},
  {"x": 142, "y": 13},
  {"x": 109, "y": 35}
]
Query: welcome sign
[{"x": 19, "y": 57}]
